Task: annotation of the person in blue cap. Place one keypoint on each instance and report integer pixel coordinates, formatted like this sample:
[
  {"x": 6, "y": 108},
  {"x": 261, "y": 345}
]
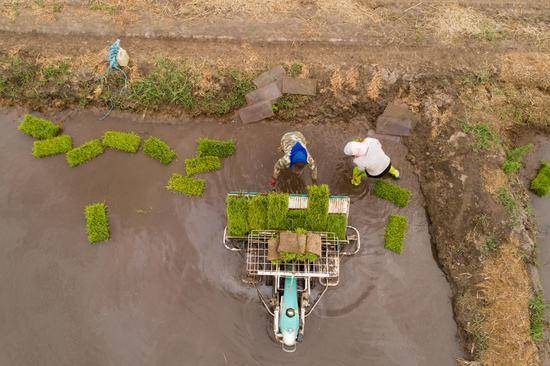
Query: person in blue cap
[{"x": 296, "y": 157}]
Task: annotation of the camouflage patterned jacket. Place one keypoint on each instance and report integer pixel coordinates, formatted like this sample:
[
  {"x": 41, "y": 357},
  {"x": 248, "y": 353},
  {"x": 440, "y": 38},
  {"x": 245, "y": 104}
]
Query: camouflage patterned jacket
[{"x": 288, "y": 141}]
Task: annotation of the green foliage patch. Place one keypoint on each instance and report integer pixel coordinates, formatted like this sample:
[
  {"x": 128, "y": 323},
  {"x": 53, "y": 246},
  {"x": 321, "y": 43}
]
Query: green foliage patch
[
  {"x": 484, "y": 136},
  {"x": 337, "y": 224},
  {"x": 97, "y": 222},
  {"x": 296, "y": 219},
  {"x": 392, "y": 192},
  {"x": 39, "y": 128},
  {"x": 257, "y": 212},
  {"x": 515, "y": 157},
  {"x": 237, "y": 215},
  {"x": 541, "y": 183},
  {"x": 186, "y": 185},
  {"x": 159, "y": 150},
  {"x": 395, "y": 233},
  {"x": 317, "y": 210},
  {"x": 537, "y": 307},
  {"x": 219, "y": 148},
  {"x": 202, "y": 164},
  {"x": 123, "y": 141},
  {"x": 56, "y": 145},
  {"x": 277, "y": 209},
  {"x": 85, "y": 152}
]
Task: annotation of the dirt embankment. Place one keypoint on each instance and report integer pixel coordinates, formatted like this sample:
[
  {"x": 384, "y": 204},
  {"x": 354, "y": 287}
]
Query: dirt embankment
[{"x": 468, "y": 102}]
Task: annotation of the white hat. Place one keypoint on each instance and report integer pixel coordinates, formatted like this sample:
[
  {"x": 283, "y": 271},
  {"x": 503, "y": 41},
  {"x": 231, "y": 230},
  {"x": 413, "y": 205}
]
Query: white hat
[{"x": 355, "y": 148}]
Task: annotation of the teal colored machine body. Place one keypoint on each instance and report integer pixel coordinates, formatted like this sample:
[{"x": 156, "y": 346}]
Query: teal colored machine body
[{"x": 290, "y": 301}]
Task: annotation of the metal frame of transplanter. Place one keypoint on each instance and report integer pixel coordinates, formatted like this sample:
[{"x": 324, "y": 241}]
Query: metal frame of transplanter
[{"x": 326, "y": 268}]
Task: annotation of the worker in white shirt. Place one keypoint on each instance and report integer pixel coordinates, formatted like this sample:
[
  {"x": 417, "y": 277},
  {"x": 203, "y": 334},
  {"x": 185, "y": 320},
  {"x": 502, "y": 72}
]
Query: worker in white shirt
[{"x": 369, "y": 159}]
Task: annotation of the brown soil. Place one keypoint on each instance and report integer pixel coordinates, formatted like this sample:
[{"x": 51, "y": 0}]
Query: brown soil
[{"x": 449, "y": 76}]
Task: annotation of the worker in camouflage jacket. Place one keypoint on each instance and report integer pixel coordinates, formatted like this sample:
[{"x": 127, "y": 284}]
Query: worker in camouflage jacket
[{"x": 296, "y": 157}]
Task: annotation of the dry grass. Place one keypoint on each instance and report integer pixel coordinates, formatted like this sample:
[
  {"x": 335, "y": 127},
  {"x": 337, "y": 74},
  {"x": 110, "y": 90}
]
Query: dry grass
[
  {"x": 506, "y": 325},
  {"x": 454, "y": 22}
]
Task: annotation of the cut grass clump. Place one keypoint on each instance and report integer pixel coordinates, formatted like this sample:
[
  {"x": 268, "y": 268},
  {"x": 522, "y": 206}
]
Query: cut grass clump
[
  {"x": 202, "y": 164},
  {"x": 392, "y": 192},
  {"x": 123, "y": 141},
  {"x": 39, "y": 128},
  {"x": 537, "y": 308},
  {"x": 57, "y": 145},
  {"x": 277, "y": 210},
  {"x": 85, "y": 152},
  {"x": 186, "y": 185},
  {"x": 337, "y": 224},
  {"x": 257, "y": 212},
  {"x": 515, "y": 157},
  {"x": 221, "y": 149},
  {"x": 317, "y": 210},
  {"x": 97, "y": 222},
  {"x": 395, "y": 233},
  {"x": 159, "y": 150},
  {"x": 541, "y": 183},
  {"x": 237, "y": 215}
]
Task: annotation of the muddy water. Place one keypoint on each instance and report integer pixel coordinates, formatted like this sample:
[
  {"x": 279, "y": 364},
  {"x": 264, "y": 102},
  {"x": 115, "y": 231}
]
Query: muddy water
[
  {"x": 163, "y": 291},
  {"x": 541, "y": 208}
]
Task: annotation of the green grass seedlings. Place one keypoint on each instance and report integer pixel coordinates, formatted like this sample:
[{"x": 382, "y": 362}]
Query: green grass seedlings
[
  {"x": 56, "y": 145},
  {"x": 395, "y": 233},
  {"x": 515, "y": 157},
  {"x": 221, "y": 149},
  {"x": 392, "y": 192},
  {"x": 39, "y": 128},
  {"x": 295, "y": 219},
  {"x": 277, "y": 210},
  {"x": 97, "y": 222},
  {"x": 202, "y": 164},
  {"x": 337, "y": 224},
  {"x": 237, "y": 215},
  {"x": 541, "y": 183},
  {"x": 85, "y": 152},
  {"x": 186, "y": 185},
  {"x": 537, "y": 308},
  {"x": 257, "y": 212},
  {"x": 317, "y": 209},
  {"x": 159, "y": 150},
  {"x": 123, "y": 141},
  {"x": 485, "y": 137}
]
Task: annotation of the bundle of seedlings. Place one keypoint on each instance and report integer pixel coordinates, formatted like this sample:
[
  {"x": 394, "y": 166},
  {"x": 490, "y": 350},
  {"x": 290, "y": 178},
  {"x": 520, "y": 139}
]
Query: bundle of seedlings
[
  {"x": 84, "y": 153},
  {"x": 257, "y": 212},
  {"x": 292, "y": 246},
  {"x": 219, "y": 148},
  {"x": 541, "y": 183},
  {"x": 186, "y": 185},
  {"x": 54, "y": 146},
  {"x": 202, "y": 164},
  {"x": 313, "y": 247},
  {"x": 237, "y": 215},
  {"x": 395, "y": 233},
  {"x": 97, "y": 222},
  {"x": 159, "y": 150},
  {"x": 277, "y": 209},
  {"x": 295, "y": 219},
  {"x": 39, "y": 128},
  {"x": 317, "y": 210},
  {"x": 273, "y": 251},
  {"x": 337, "y": 224},
  {"x": 392, "y": 192},
  {"x": 122, "y": 141}
]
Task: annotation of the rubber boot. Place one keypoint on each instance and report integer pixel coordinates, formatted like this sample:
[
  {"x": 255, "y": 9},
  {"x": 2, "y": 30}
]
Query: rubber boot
[{"x": 394, "y": 172}]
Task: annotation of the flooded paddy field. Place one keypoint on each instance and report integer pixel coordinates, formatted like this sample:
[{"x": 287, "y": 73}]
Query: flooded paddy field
[{"x": 164, "y": 291}]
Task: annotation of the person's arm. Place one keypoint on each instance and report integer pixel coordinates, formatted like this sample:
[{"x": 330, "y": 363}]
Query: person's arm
[
  {"x": 281, "y": 164},
  {"x": 313, "y": 167}
]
